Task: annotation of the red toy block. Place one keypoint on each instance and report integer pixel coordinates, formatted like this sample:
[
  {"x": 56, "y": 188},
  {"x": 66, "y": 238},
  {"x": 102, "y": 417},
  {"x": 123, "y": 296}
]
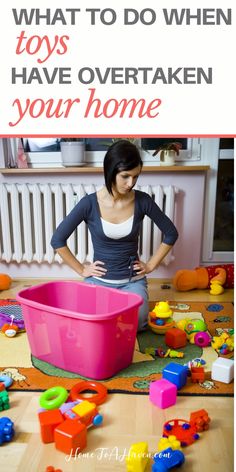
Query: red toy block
[
  {"x": 175, "y": 338},
  {"x": 70, "y": 437},
  {"x": 197, "y": 374},
  {"x": 49, "y": 420},
  {"x": 200, "y": 420},
  {"x": 2, "y": 387}
]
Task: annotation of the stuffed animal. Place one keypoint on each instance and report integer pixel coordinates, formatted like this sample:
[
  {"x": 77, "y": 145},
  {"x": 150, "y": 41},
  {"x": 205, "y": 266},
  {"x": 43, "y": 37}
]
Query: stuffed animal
[
  {"x": 5, "y": 282},
  {"x": 214, "y": 277}
]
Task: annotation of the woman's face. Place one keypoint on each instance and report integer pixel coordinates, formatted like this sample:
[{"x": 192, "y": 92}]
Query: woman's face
[{"x": 126, "y": 179}]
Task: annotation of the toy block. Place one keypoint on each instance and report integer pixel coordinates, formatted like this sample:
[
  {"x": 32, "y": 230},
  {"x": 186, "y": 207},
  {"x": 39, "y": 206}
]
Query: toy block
[
  {"x": 175, "y": 373},
  {"x": 162, "y": 393},
  {"x": 197, "y": 374},
  {"x": 2, "y": 387},
  {"x": 137, "y": 458},
  {"x": 84, "y": 408},
  {"x": 4, "y": 400},
  {"x": 6, "y": 429},
  {"x": 167, "y": 460},
  {"x": 70, "y": 437},
  {"x": 175, "y": 338},
  {"x": 200, "y": 420},
  {"x": 171, "y": 441},
  {"x": 223, "y": 370},
  {"x": 49, "y": 420}
]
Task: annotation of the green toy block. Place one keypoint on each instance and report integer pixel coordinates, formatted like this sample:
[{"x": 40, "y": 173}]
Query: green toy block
[{"x": 4, "y": 401}]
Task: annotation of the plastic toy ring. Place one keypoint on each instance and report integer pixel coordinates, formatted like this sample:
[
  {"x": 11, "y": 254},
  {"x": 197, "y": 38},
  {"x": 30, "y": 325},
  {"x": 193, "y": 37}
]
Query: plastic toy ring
[
  {"x": 101, "y": 392},
  {"x": 6, "y": 380},
  {"x": 53, "y": 398}
]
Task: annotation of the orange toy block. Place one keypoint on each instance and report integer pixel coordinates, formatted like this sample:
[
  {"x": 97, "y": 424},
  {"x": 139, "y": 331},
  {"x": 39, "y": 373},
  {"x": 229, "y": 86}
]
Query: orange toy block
[
  {"x": 197, "y": 374},
  {"x": 200, "y": 420},
  {"x": 86, "y": 411},
  {"x": 70, "y": 437},
  {"x": 2, "y": 387},
  {"x": 175, "y": 338},
  {"x": 49, "y": 420},
  {"x": 50, "y": 468}
]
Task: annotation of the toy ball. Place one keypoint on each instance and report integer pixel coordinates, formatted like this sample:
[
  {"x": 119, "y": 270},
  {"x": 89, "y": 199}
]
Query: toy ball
[
  {"x": 5, "y": 281},
  {"x": 160, "y": 322},
  {"x": 202, "y": 339}
]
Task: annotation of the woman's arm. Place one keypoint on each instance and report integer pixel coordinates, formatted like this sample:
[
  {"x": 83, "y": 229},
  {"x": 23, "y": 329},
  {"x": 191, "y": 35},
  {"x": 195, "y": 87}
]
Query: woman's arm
[
  {"x": 142, "y": 268},
  {"x": 84, "y": 270},
  {"x": 168, "y": 229}
]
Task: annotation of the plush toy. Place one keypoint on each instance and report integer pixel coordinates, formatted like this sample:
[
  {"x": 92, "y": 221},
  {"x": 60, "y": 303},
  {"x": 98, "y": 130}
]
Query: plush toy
[
  {"x": 214, "y": 277},
  {"x": 5, "y": 281}
]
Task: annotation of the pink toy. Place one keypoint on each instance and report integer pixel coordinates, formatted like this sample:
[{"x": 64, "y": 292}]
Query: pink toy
[
  {"x": 162, "y": 393},
  {"x": 79, "y": 327},
  {"x": 202, "y": 339}
]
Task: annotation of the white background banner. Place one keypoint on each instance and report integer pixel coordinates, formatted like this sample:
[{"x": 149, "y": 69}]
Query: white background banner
[{"x": 117, "y": 68}]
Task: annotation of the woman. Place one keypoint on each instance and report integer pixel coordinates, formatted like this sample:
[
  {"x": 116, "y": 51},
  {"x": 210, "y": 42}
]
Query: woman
[{"x": 114, "y": 215}]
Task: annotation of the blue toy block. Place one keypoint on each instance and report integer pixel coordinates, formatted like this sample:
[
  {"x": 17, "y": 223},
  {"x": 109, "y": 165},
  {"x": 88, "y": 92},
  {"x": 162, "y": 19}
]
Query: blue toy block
[
  {"x": 6, "y": 429},
  {"x": 176, "y": 373},
  {"x": 167, "y": 459}
]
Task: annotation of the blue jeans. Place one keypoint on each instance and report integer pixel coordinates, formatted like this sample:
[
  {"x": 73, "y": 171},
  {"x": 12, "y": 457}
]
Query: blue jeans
[{"x": 139, "y": 287}]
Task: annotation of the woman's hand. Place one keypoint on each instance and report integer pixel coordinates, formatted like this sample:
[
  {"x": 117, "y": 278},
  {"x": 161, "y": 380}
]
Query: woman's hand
[
  {"x": 91, "y": 269},
  {"x": 141, "y": 268}
]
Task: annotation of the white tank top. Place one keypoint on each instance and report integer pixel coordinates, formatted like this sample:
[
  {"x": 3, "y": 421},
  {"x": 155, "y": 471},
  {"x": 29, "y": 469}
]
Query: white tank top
[{"x": 117, "y": 230}]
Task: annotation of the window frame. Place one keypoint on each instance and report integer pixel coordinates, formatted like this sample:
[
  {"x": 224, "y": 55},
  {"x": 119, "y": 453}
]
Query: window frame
[
  {"x": 211, "y": 155},
  {"x": 53, "y": 159}
]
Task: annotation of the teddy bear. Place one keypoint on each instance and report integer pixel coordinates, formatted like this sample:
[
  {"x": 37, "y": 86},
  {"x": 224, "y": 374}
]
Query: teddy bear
[{"x": 215, "y": 277}]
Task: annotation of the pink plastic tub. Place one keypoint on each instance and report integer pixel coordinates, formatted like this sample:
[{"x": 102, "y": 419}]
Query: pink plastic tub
[{"x": 79, "y": 327}]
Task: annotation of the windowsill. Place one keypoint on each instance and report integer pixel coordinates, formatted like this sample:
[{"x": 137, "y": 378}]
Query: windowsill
[{"x": 93, "y": 169}]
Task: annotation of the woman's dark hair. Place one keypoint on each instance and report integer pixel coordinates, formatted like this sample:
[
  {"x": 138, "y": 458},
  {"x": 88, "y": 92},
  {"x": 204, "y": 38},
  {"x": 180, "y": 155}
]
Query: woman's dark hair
[{"x": 121, "y": 155}]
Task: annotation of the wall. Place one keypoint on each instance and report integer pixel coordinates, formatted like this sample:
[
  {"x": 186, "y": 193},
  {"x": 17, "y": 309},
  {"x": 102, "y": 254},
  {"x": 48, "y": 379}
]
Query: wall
[{"x": 189, "y": 218}]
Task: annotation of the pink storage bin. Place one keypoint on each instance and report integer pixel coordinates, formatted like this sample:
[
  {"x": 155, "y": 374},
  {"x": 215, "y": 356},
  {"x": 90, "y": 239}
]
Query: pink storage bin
[{"x": 82, "y": 328}]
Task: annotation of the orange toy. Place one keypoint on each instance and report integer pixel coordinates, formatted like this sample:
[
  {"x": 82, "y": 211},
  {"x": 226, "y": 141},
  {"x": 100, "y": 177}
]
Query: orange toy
[
  {"x": 100, "y": 389},
  {"x": 50, "y": 468},
  {"x": 10, "y": 330},
  {"x": 203, "y": 277},
  {"x": 5, "y": 282},
  {"x": 70, "y": 437},
  {"x": 197, "y": 374},
  {"x": 200, "y": 420},
  {"x": 49, "y": 420}
]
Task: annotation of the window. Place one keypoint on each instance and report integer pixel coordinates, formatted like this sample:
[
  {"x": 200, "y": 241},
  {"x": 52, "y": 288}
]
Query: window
[
  {"x": 224, "y": 210},
  {"x": 218, "y": 231},
  {"x": 45, "y": 152}
]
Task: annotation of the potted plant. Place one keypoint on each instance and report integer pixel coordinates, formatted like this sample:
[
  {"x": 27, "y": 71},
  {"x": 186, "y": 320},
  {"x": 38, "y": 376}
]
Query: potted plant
[
  {"x": 72, "y": 151},
  {"x": 168, "y": 152}
]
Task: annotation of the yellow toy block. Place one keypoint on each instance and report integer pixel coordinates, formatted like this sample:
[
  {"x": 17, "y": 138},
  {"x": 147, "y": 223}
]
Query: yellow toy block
[
  {"x": 171, "y": 441},
  {"x": 137, "y": 458},
  {"x": 84, "y": 408}
]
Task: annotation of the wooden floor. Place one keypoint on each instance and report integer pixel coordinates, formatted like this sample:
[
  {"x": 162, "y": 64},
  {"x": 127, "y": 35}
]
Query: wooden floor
[{"x": 127, "y": 419}]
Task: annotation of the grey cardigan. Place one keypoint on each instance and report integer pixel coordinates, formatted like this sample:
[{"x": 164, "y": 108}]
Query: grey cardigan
[{"x": 117, "y": 254}]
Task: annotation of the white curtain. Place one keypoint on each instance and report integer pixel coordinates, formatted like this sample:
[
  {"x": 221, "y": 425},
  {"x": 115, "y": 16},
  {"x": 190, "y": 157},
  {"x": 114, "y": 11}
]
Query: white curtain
[{"x": 10, "y": 149}]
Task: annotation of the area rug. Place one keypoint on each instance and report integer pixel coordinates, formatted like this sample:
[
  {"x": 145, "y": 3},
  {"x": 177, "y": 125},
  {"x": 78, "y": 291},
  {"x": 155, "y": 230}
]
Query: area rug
[{"x": 31, "y": 374}]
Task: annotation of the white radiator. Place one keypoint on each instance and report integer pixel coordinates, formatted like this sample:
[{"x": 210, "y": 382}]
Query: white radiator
[{"x": 29, "y": 214}]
